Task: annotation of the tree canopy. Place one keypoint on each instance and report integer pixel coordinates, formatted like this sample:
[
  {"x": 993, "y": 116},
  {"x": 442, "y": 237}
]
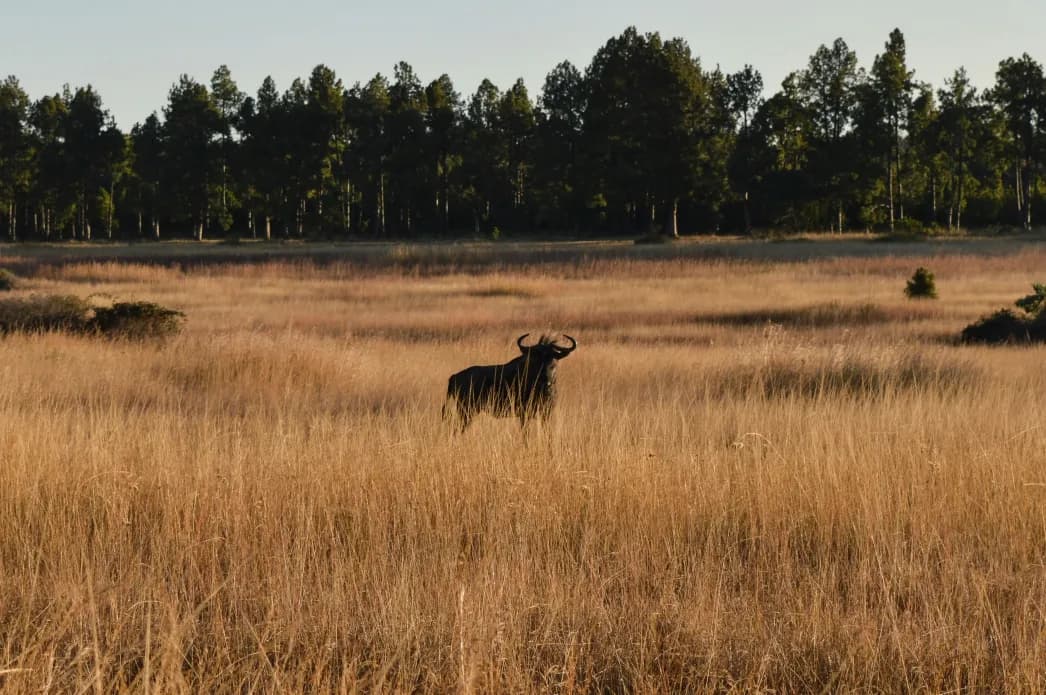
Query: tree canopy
[{"x": 646, "y": 137}]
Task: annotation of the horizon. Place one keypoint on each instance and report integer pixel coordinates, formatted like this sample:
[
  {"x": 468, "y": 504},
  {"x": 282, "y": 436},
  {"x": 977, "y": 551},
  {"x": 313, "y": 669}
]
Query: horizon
[{"x": 135, "y": 70}]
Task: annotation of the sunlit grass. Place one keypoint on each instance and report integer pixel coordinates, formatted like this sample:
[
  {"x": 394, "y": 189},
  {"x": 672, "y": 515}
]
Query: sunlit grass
[{"x": 760, "y": 476}]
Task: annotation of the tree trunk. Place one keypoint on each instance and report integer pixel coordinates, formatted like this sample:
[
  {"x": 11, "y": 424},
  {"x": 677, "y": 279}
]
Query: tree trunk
[
  {"x": 933, "y": 198},
  {"x": 109, "y": 213},
  {"x": 85, "y": 224},
  {"x": 897, "y": 169},
  {"x": 1020, "y": 189},
  {"x": 748, "y": 216},
  {"x": 1029, "y": 186},
  {"x": 224, "y": 172},
  {"x": 446, "y": 197},
  {"x": 672, "y": 219},
  {"x": 889, "y": 185},
  {"x": 268, "y": 228},
  {"x": 381, "y": 204},
  {"x": 347, "y": 222}
]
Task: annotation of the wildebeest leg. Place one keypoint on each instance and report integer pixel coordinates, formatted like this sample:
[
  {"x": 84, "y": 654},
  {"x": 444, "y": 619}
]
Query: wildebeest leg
[{"x": 465, "y": 413}]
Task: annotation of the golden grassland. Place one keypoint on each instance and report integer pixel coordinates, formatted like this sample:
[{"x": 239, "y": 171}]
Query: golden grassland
[{"x": 768, "y": 470}]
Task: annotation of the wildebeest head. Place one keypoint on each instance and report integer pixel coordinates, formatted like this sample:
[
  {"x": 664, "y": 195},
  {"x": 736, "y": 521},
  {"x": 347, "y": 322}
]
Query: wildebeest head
[
  {"x": 523, "y": 387},
  {"x": 545, "y": 351}
]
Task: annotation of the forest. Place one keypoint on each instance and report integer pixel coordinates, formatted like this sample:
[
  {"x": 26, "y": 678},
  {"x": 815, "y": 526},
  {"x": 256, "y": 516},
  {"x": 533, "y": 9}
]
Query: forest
[{"x": 646, "y": 139}]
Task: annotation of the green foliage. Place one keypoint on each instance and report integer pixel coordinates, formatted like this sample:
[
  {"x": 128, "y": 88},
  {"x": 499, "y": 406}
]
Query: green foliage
[
  {"x": 912, "y": 226},
  {"x": 921, "y": 285},
  {"x": 8, "y": 280},
  {"x": 681, "y": 150},
  {"x": 644, "y": 133},
  {"x": 1034, "y": 302},
  {"x": 71, "y": 314}
]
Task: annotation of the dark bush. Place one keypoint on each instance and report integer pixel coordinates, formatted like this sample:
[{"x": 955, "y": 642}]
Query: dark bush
[
  {"x": 1007, "y": 326},
  {"x": 921, "y": 285},
  {"x": 1004, "y": 326},
  {"x": 57, "y": 312},
  {"x": 62, "y": 312},
  {"x": 136, "y": 321}
]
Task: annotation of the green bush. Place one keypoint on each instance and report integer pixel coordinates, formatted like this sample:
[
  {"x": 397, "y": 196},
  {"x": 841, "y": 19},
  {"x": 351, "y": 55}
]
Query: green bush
[
  {"x": 1034, "y": 302},
  {"x": 136, "y": 321},
  {"x": 910, "y": 225},
  {"x": 8, "y": 280},
  {"x": 921, "y": 285}
]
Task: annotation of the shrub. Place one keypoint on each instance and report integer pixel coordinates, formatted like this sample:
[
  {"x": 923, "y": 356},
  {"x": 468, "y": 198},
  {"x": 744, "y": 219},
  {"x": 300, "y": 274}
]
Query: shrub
[
  {"x": 56, "y": 312},
  {"x": 136, "y": 321},
  {"x": 1006, "y": 326},
  {"x": 63, "y": 312},
  {"x": 910, "y": 225},
  {"x": 8, "y": 280},
  {"x": 921, "y": 285}
]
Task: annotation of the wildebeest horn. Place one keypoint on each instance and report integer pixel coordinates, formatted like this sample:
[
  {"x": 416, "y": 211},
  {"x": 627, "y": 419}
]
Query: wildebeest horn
[
  {"x": 564, "y": 351},
  {"x": 519, "y": 341}
]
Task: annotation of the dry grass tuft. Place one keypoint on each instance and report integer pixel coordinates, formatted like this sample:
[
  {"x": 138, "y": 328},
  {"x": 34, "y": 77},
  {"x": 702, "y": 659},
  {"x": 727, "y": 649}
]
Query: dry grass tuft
[
  {"x": 844, "y": 373},
  {"x": 816, "y": 316}
]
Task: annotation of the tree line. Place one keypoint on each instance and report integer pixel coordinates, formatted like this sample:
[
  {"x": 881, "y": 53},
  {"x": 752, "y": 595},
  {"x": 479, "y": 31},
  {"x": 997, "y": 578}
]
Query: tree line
[{"x": 646, "y": 138}]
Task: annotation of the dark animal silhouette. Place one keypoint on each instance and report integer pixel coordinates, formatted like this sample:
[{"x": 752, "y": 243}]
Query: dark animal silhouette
[{"x": 524, "y": 387}]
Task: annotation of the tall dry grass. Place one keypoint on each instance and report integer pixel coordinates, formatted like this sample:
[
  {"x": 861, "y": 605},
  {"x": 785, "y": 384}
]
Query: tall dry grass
[{"x": 760, "y": 476}]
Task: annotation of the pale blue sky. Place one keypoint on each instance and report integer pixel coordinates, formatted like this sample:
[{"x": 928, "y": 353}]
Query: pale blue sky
[{"x": 133, "y": 50}]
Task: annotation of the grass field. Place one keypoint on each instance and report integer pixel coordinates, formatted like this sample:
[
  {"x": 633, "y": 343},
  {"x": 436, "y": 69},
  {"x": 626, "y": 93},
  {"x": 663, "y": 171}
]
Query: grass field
[{"x": 768, "y": 470}]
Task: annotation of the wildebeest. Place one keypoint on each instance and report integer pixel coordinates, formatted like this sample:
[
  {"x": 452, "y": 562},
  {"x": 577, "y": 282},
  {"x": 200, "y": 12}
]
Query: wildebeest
[{"x": 524, "y": 387}]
